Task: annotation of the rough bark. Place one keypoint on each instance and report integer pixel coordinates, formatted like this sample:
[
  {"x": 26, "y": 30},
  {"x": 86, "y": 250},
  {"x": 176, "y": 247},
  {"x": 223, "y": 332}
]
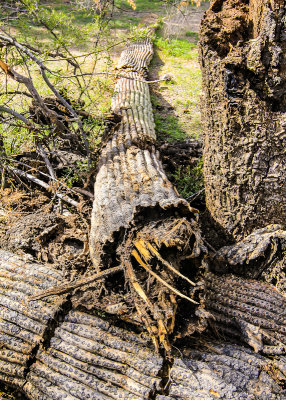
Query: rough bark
[{"x": 242, "y": 51}]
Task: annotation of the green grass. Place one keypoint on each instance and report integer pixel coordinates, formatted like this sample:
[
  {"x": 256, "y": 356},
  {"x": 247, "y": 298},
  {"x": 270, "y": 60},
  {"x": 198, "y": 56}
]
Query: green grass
[
  {"x": 168, "y": 128},
  {"x": 179, "y": 58},
  {"x": 192, "y": 35},
  {"x": 141, "y": 5},
  {"x": 189, "y": 180},
  {"x": 124, "y": 22},
  {"x": 181, "y": 48}
]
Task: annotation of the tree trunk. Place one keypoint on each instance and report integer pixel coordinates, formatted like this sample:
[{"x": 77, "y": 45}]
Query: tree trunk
[{"x": 242, "y": 52}]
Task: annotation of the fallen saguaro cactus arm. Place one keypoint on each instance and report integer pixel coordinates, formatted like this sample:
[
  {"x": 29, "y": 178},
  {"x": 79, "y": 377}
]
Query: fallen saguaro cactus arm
[
  {"x": 248, "y": 310},
  {"x": 23, "y": 326},
  {"x": 226, "y": 371},
  {"x": 138, "y": 218},
  {"x": 49, "y": 350}
]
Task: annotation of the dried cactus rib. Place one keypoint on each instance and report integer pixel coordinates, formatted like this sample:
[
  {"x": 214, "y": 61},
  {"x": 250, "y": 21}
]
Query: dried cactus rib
[
  {"x": 130, "y": 176},
  {"x": 90, "y": 358},
  {"x": 137, "y": 56},
  {"x": 86, "y": 356},
  {"x": 226, "y": 372},
  {"x": 131, "y": 187},
  {"x": 22, "y": 327},
  {"x": 259, "y": 254},
  {"x": 248, "y": 310}
]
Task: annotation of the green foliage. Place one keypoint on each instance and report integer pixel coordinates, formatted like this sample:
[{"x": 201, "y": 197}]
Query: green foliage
[
  {"x": 193, "y": 35},
  {"x": 141, "y": 5},
  {"x": 189, "y": 180},
  {"x": 73, "y": 176},
  {"x": 139, "y": 33},
  {"x": 56, "y": 25},
  {"x": 176, "y": 47},
  {"x": 168, "y": 128},
  {"x": 17, "y": 139}
]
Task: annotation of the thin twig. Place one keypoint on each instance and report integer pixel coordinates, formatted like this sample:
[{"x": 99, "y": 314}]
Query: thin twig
[
  {"x": 68, "y": 287},
  {"x": 170, "y": 287},
  {"x": 47, "y": 161},
  {"x": 45, "y": 185}
]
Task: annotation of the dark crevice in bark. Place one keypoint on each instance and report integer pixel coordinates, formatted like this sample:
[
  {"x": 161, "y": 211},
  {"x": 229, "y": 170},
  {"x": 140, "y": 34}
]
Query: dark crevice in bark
[
  {"x": 48, "y": 334},
  {"x": 164, "y": 374},
  {"x": 56, "y": 322}
]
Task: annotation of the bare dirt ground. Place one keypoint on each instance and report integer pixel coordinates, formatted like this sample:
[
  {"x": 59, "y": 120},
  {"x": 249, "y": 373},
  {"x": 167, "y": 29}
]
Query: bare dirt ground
[{"x": 183, "y": 20}]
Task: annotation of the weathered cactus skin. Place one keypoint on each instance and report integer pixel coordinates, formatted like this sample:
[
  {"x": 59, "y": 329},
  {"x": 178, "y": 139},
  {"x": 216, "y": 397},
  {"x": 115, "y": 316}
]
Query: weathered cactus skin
[
  {"x": 130, "y": 177},
  {"x": 136, "y": 210},
  {"x": 49, "y": 351}
]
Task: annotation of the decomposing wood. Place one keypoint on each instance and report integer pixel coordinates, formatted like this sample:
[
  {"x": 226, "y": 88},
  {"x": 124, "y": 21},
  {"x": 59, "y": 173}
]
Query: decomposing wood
[
  {"x": 43, "y": 184},
  {"x": 137, "y": 213},
  {"x": 242, "y": 46},
  {"x": 250, "y": 310},
  {"x": 71, "y": 346},
  {"x": 51, "y": 351},
  {"x": 226, "y": 371}
]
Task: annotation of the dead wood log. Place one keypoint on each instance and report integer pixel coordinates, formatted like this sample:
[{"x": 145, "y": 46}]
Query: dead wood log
[
  {"x": 138, "y": 218},
  {"x": 226, "y": 371},
  {"x": 249, "y": 310},
  {"x": 242, "y": 46},
  {"x": 261, "y": 255},
  {"x": 50, "y": 351}
]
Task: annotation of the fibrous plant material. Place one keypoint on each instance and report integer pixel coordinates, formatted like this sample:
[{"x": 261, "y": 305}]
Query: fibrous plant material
[
  {"x": 138, "y": 218},
  {"x": 248, "y": 310},
  {"x": 226, "y": 372},
  {"x": 261, "y": 255},
  {"x": 242, "y": 47},
  {"x": 50, "y": 351},
  {"x": 23, "y": 326}
]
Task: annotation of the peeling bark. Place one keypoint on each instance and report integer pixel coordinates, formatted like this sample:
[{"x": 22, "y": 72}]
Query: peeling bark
[{"x": 242, "y": 51}]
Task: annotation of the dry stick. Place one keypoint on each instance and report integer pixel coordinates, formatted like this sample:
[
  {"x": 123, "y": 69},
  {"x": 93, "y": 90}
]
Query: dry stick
[
  {"x": 74, "y": 190},
  {"x": 17, "y": 115},
  {"x": 106, "y": 73},
  {"x": 43, "y": 68},
  {"x": 177, "y": 292},
  {"x": 45, "y": 185},
  {"x": 50, "y": 169},
  {"x": 47, "y": 161},
  {"x": 168, "y": 265},
  {"x": 68, "y": 287}
]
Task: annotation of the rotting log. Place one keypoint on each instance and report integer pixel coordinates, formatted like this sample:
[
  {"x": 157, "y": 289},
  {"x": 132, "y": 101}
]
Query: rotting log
[
  {"x": 58, "y": 348},
  {"x": 251, "y": 311},
  {"x": 226, "y": 371},
  {"x": 242, "y": 52},
  {"x": 50, "y": 351},
  {"x": 138, "y": 218}
]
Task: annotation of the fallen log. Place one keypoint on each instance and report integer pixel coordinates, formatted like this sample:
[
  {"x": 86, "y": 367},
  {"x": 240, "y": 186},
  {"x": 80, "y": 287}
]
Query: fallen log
[
  {"x": 51, "y": 351},
  {"x": 138, "y": 218}
]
